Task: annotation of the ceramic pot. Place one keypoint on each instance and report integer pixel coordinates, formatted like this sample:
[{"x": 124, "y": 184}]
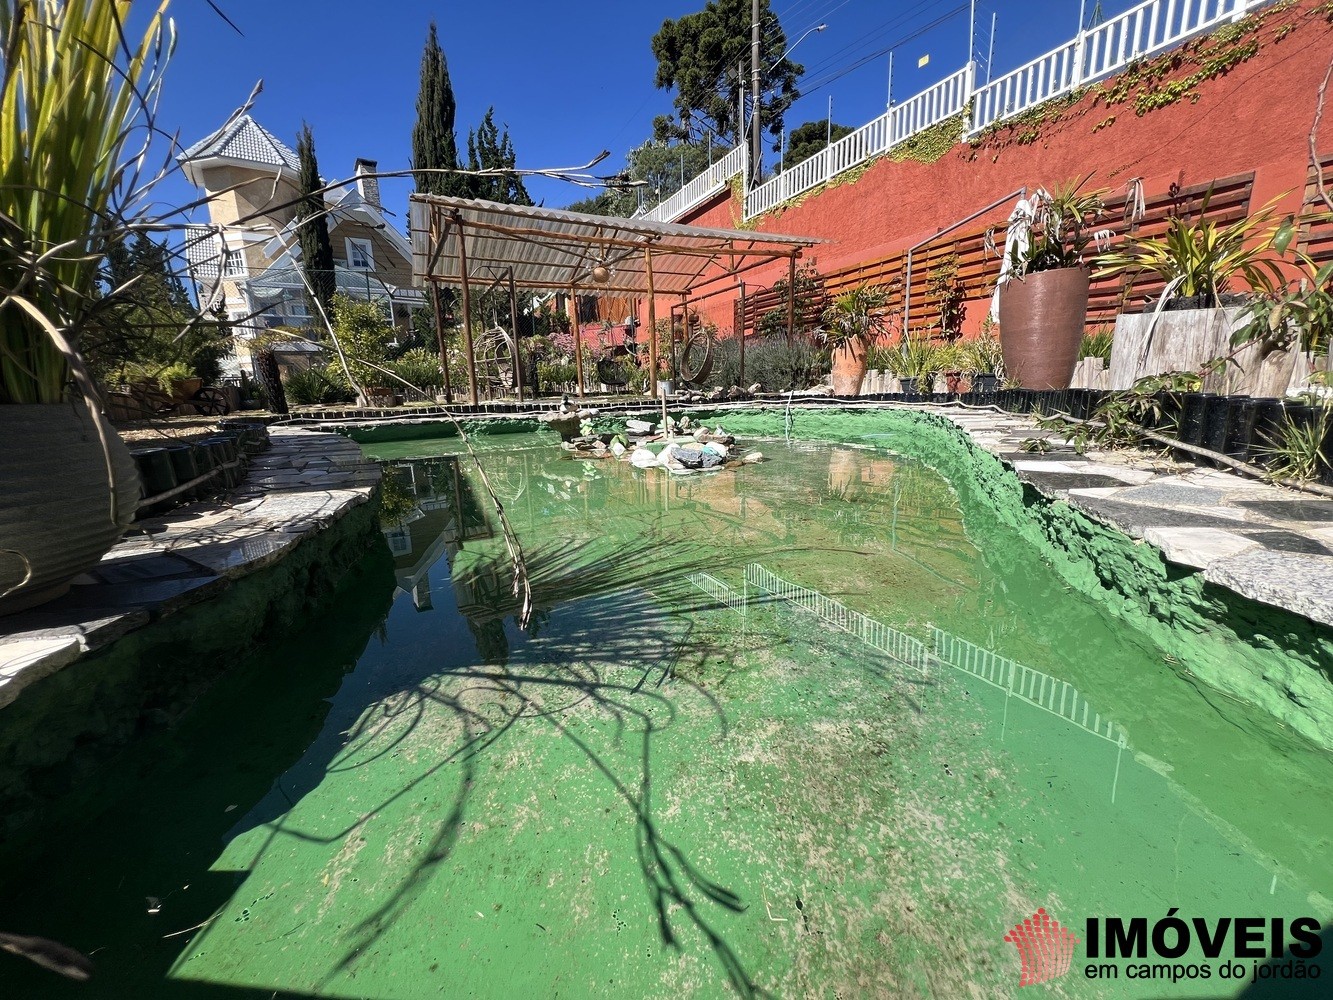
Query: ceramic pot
[
  {"x": 66, "y": 500},
  {"x": 1042, "y": 317}
]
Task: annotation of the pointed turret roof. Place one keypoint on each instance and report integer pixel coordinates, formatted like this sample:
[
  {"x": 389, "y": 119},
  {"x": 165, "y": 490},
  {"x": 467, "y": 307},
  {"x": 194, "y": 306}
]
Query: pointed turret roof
[{"x": 241, "y": 140}]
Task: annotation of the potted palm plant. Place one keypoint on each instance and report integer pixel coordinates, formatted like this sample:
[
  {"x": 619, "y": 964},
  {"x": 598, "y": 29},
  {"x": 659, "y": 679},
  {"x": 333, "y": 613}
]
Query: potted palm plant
[
  {"x": 71, "y": 96},
  {"x": 915, "y": 360},
  {"x": 1195, "y": 315},
  {"x": 851, "y": 323},
  {"x": 983, "y": 361},
  {"x": 1043, "y": 295}
]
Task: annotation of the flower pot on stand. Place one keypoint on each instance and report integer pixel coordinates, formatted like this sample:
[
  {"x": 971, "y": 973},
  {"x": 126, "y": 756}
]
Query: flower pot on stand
[
  {"x": 66, "y": 500},
  {"x": 849, "y": 368},
  {"x": 1042, "y": 317}
]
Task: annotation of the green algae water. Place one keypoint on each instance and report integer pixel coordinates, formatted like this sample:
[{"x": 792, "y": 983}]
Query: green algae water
[{"x": 819, "y": 727}]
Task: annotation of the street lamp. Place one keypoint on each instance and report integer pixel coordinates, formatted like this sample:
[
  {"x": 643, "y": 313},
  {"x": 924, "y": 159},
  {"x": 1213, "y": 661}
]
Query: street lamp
[
  {"x": 757, "y": 155},
  {"x": 792, "y": 47}
]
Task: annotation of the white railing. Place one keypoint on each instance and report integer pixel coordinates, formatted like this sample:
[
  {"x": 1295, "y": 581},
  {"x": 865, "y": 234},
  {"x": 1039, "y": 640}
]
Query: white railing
[
  {"x": 930, "y": 107},
  {"x": 898, "y": 645},
  {"x": 934, "y": 104},
  {"x": 719, "y": 591},
  {"x": 703, "y": 187},
  {"x": 1032, "y": 686},
  {"x": 1049, "y": 76},
  {"x": 1142, "y": 31}
]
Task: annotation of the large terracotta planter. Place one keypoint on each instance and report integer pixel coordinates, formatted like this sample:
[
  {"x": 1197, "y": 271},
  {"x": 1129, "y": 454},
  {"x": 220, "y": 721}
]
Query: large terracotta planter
[
  {"x": 849, "y": 368},
  {"x": 1042, "y": 317},
  {"x": 56, "y": 510}
]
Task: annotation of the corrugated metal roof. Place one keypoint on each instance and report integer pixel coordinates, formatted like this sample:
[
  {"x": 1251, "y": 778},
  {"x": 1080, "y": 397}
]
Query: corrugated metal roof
[{"x": 554, "y": 249}]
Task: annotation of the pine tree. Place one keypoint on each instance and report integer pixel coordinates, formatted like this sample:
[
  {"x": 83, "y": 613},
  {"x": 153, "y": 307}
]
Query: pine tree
[
  {"x": 434, "y": 145},
  {"x": 490, "y": 149},
  {"x": 312, "y": 229},
  {"x": 147, "y": 321}
]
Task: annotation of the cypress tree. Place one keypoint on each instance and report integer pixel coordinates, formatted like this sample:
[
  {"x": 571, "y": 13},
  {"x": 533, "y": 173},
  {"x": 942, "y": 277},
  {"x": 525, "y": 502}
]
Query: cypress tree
[
  {"x": 434, "y": 145},
  {"x": 312, "y": 230}
]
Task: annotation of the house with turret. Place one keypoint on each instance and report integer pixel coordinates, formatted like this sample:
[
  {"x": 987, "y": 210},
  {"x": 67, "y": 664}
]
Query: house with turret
[{"x": 246, "y": 258}]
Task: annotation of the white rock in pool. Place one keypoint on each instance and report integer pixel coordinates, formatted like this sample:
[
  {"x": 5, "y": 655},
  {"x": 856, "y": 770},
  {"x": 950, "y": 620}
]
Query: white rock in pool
[
  {"x": 753, "y": 458},
  {"x": 717, "y": 448},
  {"x": 617, "y": 449},
  {"x": 642, "y": 458}
]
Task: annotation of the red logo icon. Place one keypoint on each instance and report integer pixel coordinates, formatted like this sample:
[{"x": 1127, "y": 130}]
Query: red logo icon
[{"x": 1045, "y": 948}]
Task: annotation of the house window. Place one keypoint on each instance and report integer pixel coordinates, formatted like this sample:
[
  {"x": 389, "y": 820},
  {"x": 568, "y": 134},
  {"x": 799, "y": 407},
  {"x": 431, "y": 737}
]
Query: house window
[
  {"x": 298, "y": 309},
  {"x": 359, "y": 257},
  {"x": 235, "y": 266}
]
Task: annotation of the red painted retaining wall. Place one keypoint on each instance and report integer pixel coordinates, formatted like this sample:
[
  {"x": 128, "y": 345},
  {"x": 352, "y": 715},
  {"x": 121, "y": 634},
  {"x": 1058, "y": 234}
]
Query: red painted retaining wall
[{"x": 1255, "y": 117}]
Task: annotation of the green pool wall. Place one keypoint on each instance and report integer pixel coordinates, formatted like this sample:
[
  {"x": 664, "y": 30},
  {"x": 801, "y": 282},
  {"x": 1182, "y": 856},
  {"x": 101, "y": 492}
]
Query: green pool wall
[
  {"x": 64, "y": 730},
  {"x": 371, "y": 434},
  {"x": 1266, "y": 656}
]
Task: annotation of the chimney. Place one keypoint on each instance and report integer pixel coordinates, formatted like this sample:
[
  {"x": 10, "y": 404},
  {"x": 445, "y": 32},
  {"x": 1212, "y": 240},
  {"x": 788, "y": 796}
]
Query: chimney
[{"x": 367, "y": 187}]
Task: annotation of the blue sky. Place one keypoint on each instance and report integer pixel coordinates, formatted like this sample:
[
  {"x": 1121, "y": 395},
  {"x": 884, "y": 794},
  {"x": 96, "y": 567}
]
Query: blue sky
[{"x": 568, "y": 78}]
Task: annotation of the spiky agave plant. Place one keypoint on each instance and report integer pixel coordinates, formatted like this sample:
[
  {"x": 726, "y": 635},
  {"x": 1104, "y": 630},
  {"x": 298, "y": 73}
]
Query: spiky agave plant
[{"x": 76, "y": 106}]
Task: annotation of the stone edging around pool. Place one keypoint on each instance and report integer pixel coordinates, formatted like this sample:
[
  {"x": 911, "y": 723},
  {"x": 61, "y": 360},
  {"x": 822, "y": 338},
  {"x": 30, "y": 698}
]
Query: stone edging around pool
[
  {"x": 1269, "y": 544},
  {"x": 304, "y": 483}
]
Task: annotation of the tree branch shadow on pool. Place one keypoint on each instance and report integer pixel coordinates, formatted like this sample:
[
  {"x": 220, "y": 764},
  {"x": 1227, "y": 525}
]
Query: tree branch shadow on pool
[{"x": 488, "y": 700}]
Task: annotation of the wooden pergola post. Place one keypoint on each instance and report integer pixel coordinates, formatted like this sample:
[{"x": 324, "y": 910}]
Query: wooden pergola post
[
  {"x": 684, "y": 335},
  {"x": 467, "y": 312},
  {"x": 742, "y": 335},
  {"x": 435, "y": 240},
  {"x": 652, "y": 324},
  {"x": 578, "y": 340},
  {"x": 439, "y": 333},
  {"x": 513, "y": 326},
  {"x": 791, "y": 298}
]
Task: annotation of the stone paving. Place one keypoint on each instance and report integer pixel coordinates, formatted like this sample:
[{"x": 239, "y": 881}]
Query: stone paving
[
  {"x": 304, "y": 482},
  {"x": 1267, "y": 543}
]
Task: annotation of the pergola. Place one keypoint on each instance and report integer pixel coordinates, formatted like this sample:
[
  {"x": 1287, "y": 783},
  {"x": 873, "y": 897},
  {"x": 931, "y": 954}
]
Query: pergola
[{"x": 459, "y": 242}]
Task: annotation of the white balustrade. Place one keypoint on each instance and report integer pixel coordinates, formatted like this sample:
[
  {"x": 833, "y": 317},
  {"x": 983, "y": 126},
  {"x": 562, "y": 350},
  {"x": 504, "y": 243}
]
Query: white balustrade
[{"x": 1142, "y": 31}]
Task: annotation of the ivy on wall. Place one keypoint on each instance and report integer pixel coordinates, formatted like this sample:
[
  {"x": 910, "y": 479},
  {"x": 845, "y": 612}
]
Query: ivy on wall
[
  {"x": 1148, "y": 85},
  {"x": 933, "y": 143}
]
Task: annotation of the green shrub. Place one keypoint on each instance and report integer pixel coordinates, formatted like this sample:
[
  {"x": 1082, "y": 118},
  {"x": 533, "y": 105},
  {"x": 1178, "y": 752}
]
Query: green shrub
[
  {"x": 419, "y": 367},
  {"x": 1095, "y": 345},
  {"x": 309, "y": 387},
  {"x": 771, "y": 362}
]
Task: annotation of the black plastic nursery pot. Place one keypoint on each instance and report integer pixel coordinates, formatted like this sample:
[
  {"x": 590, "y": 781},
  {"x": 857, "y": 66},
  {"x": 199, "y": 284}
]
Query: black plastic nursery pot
[
  {"x": 156, "y": 474},
  {"x": 1267, "y": 430},
  {"x": 1078, "y": 403},
  {"x": 1216, "y": 414},
  {"x": 1326, "y": 453},
  {"x": 1193, "y": 405},
  {"x": 182, "y": 461},
  {"x": 1239, "y": 436}
]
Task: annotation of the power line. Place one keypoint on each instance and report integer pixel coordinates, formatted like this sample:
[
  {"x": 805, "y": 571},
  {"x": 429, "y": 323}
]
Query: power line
[
  {"x": 824, "y": 81},
  {"x": 865, "y": 39}
]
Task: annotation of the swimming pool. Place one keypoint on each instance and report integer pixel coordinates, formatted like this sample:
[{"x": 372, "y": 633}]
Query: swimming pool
[{"x": 826, "y": 725}]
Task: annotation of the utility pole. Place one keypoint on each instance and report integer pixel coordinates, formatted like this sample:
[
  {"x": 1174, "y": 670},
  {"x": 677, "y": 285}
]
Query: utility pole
[
  {"x": 740, "y": 108},
  {"x": 889, "y": 104},
  {"x": 757, "y": 167}
]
